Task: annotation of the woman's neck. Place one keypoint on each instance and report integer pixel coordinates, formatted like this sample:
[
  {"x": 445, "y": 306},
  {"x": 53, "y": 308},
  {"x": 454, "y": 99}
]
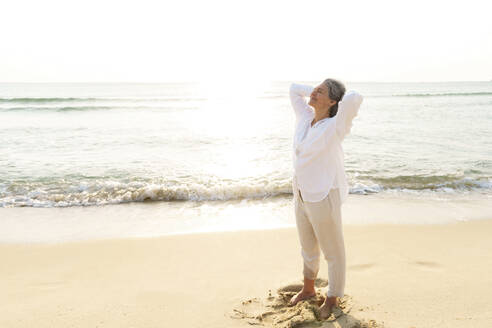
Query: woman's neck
[{"x": 320, "y": 114}]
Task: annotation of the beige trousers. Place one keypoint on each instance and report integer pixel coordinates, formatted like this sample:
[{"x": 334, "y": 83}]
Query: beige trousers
[{"x": 319, "y": 226}]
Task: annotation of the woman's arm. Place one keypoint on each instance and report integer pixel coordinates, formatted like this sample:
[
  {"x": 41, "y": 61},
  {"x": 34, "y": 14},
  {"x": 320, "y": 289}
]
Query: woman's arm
[
  {"x": 348, "y": 108},
  {"x": 297, "y": 92}
]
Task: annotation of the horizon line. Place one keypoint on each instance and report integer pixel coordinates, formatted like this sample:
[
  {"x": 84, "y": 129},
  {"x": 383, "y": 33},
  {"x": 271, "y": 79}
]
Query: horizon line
[{"x": 192, "y": 82}]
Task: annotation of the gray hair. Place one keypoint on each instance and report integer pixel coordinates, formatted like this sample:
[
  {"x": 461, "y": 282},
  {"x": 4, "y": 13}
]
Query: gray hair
[{"x": 336, "y": 92}]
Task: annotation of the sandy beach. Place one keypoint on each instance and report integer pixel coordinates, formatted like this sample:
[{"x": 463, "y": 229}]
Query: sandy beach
[{"x": 398, "y": 275}]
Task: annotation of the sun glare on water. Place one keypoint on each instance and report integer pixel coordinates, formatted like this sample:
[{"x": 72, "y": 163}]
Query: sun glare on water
[
  {"x": 231, "y": 107},
  {"x": 232, "y": 117}
]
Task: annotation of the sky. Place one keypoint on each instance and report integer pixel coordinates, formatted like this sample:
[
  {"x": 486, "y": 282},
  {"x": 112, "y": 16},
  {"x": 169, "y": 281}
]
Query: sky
[{"x": 245, "y": 41}]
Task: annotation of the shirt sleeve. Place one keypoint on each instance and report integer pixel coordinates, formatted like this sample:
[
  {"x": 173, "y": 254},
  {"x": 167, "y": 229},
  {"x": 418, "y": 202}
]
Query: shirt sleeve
[
  {"x": 297, "y": 92},
  {"x": 348, "y": 109}
]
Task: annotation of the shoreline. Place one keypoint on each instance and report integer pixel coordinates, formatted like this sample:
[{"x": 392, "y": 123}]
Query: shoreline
[{"x": 152, "y": 219}]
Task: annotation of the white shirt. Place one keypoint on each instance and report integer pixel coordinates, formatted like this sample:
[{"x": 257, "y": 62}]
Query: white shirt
[{"x": 318, "y": 154}]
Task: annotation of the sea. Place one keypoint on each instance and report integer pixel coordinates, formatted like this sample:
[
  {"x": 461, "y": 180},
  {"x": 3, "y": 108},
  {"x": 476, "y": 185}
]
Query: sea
[{"x": 66, "y": 145}]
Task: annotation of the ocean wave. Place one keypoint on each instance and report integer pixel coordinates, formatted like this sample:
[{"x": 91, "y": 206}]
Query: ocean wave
[
  {"x": 447, "y": 94},
  {"x": 102, "y": 99},
  {"x": 113, "y": 192},
  {"x": 432, "y": 182},
  {"x": 84, "y": 108},
  {"x": 43, "y": 100}
]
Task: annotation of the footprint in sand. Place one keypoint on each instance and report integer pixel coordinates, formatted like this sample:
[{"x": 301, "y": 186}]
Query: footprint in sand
[
  {"x": 427, "y": 265},
  {"x": 274, "y": 311},
  {"x": 361, "y": 267}
]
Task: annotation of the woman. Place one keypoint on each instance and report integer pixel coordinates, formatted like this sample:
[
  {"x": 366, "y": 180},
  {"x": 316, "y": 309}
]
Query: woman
[{"x": 319, "y": 183}]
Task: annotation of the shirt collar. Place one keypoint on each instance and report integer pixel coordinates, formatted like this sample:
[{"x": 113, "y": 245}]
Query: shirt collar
[{"x": 320, "y": 121}]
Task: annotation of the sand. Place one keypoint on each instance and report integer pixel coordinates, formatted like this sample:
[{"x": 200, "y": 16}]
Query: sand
[{"x": 397, "y": 276}]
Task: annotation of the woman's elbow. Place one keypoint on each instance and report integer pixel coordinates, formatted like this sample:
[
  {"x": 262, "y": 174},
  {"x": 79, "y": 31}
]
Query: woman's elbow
[{"x": 353, "y": 97}]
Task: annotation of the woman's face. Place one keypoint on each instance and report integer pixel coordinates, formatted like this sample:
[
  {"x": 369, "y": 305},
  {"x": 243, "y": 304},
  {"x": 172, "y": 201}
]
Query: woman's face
[{"x": 320, "y": 97}]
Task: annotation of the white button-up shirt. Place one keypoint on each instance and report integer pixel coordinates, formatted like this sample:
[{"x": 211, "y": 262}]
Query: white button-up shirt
[{"x": 318, "y": 155}]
